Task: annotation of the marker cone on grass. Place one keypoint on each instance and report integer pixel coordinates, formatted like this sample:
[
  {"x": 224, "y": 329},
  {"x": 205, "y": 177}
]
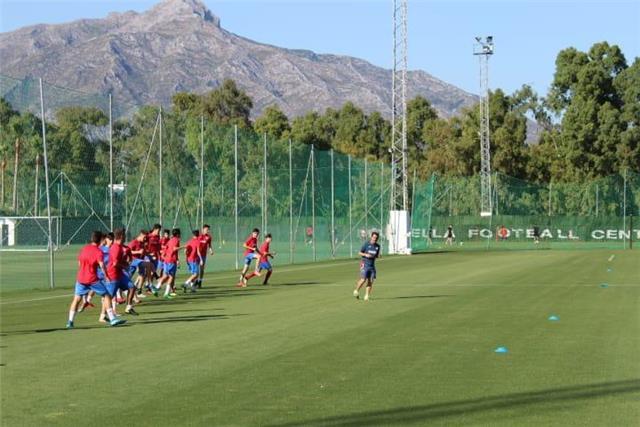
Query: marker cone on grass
[
  {"x": 554, "y": 318},
  {"x": 501, "y": 350},
  {"x": 604, "y": 285}
]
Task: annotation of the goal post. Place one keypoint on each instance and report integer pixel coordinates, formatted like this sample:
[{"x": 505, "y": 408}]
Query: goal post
[{"x": 27, "y": 233}]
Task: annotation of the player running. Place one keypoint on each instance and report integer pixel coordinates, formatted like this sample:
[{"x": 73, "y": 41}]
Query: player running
[
  {"x": 194, "y": 261},
  {"x": 369, "y": 252},
  {"x": 107, "y": 240},
  {"x": 264, "y": 263},
  {"x": 166, "y": 236},
  {"x": 205, "y": 244},
  {"x": 118, "y": 280},
  {"x": 170, "y": 265},
  {"x": 250, "y": 253},
  {"x": 137, "y": 247},
  {"x": 89, "y": 260},
  {"x": 153, "y": 249}
]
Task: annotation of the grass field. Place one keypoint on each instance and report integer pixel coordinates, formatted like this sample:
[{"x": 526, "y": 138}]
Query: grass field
[{"x": 303, "y": 351}]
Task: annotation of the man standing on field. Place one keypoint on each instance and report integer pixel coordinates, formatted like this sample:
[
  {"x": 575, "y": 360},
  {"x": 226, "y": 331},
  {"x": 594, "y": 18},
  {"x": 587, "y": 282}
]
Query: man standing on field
[{"x": 369, "y": 252}]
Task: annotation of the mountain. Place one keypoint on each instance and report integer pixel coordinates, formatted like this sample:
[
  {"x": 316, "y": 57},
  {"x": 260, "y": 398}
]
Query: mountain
[{"x": 179, "y": 45}]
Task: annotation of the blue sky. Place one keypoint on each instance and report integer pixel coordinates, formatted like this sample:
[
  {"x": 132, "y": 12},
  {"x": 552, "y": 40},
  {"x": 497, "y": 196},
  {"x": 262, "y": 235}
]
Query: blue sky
[{"x": 528, "y": 33}]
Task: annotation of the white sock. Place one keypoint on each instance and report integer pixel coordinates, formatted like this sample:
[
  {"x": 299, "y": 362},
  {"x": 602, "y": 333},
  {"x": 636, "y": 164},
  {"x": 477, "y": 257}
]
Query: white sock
[
  {"x": 166, "y": 290},
  {"x": 111, "y": 314},
  {"x": 72, "y": 315},
  {"x": 129, "y": 307}
]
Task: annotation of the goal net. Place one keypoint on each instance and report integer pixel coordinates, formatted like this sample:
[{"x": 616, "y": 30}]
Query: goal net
[{"x": 27, "y": 233}]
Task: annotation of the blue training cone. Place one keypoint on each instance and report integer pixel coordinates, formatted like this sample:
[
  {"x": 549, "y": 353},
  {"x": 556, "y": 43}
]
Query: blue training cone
[
  {"x": 501, "y": 349},
  {"x": 604, "y": 285},
  {"x": 609, "y": 270},
  {"x": 554, "y": 318}
]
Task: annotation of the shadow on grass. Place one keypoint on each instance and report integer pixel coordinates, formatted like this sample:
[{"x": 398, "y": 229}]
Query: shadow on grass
[
  {"x": 144, "y": 312},
  {"x": 174, "y": 319},
  {"x": 47, "y": 330},
  {"x": 199, "y": 296},
  {"x": 275, "y": 285},
  {"x": 426, "y": 413},
  {"x": 132, "y": 321},
  {"x": 418, "y": 296}
]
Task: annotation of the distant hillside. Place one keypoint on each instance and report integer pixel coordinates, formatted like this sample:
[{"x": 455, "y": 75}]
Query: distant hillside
[{"x": 179, "y": 45}]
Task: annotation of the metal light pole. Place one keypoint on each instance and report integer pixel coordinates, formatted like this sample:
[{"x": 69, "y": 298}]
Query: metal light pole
[
  {"x": 110, "y": 163},
  {"x": 46, "y": 181},
  {"x": 484, "y": 49}
]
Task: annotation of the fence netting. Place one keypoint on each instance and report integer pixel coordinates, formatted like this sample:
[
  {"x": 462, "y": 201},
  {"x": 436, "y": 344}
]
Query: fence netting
[
  {"x": 601, "y": 213},
  {"x": 183, "y": 170}
]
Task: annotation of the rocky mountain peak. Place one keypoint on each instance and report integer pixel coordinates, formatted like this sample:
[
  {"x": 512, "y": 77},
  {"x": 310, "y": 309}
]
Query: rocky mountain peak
[
  {"x": 178, "y": 45},
  {"x": 169, "y": 10}
]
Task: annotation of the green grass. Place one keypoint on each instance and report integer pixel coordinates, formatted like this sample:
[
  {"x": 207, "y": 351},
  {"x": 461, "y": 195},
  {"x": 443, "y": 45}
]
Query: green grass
[{"x": 304, "y": 352}]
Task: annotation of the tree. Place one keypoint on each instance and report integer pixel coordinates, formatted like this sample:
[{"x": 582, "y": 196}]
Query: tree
[
  {"x": 419, "y": 113},
  {"x": 70, "y": 148},
  {"x": 314, "y": 129},
  {"x": 186, "y": 102},
  {"x": 272, "y": 122},
  {"x": 590, "y": 104},
  {"x": 627, "y": 84},
  {"x": 349, "y": 131},
  {"x": 228, "y": 105}
]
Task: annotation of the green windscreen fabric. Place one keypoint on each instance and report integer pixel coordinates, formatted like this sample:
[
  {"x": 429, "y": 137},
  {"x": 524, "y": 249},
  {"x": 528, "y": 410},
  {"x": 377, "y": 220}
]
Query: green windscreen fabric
[{"x": 598, "y": 214}]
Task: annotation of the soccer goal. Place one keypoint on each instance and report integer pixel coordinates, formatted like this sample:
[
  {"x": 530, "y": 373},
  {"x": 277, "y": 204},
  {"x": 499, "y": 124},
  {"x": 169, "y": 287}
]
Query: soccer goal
[{"x": 28, "y": 233}]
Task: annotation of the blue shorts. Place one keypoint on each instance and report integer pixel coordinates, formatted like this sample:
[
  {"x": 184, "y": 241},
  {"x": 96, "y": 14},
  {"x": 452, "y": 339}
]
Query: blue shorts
[
  {"x": 98, "y": 287},
  {"x": 137, "y": 264},
  {"x": 160, "y": 265},
  {"x": 265, "y": 265},
  {"x": 170, "y": 269},
  {"x": 368, "y": 273},
  {"x": 194, "y": 267},
  {"x": 123, "y": 284},
  {"x": 249, "y": 258}
]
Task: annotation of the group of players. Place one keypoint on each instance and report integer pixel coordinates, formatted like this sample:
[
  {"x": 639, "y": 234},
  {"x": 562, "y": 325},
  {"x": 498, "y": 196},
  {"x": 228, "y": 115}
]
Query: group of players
[
  {"x": 107, "y": 267},
  {"x": 119, "y": 272}
]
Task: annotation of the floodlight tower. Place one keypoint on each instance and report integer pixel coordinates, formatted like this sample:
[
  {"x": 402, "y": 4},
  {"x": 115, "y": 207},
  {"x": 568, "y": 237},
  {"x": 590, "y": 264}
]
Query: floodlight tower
[
  {"x": 399, "y": 194},
  {"x": 484, "y": 49},
  {"x": 399, "y": 107}
]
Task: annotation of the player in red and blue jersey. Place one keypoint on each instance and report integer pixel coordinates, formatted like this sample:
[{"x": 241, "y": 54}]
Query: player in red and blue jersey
[
  {"x": 107, "y": 240},
  {"x": 116, "y": 269},
  {"x": 166, "y": 236},
  {"x": 369, "y": 252},
  {"x": 170, "y": 265},
  {"x": 153, "y": 246},
  {"x": 250, "y": 253},
  {"x": 89, "y": 260},
  {"x": 264, "y": 263},
  {"x": 194, "y": 261},
  {"x": 138, "y": 251},
  {"x": 205, "y": 245}
]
